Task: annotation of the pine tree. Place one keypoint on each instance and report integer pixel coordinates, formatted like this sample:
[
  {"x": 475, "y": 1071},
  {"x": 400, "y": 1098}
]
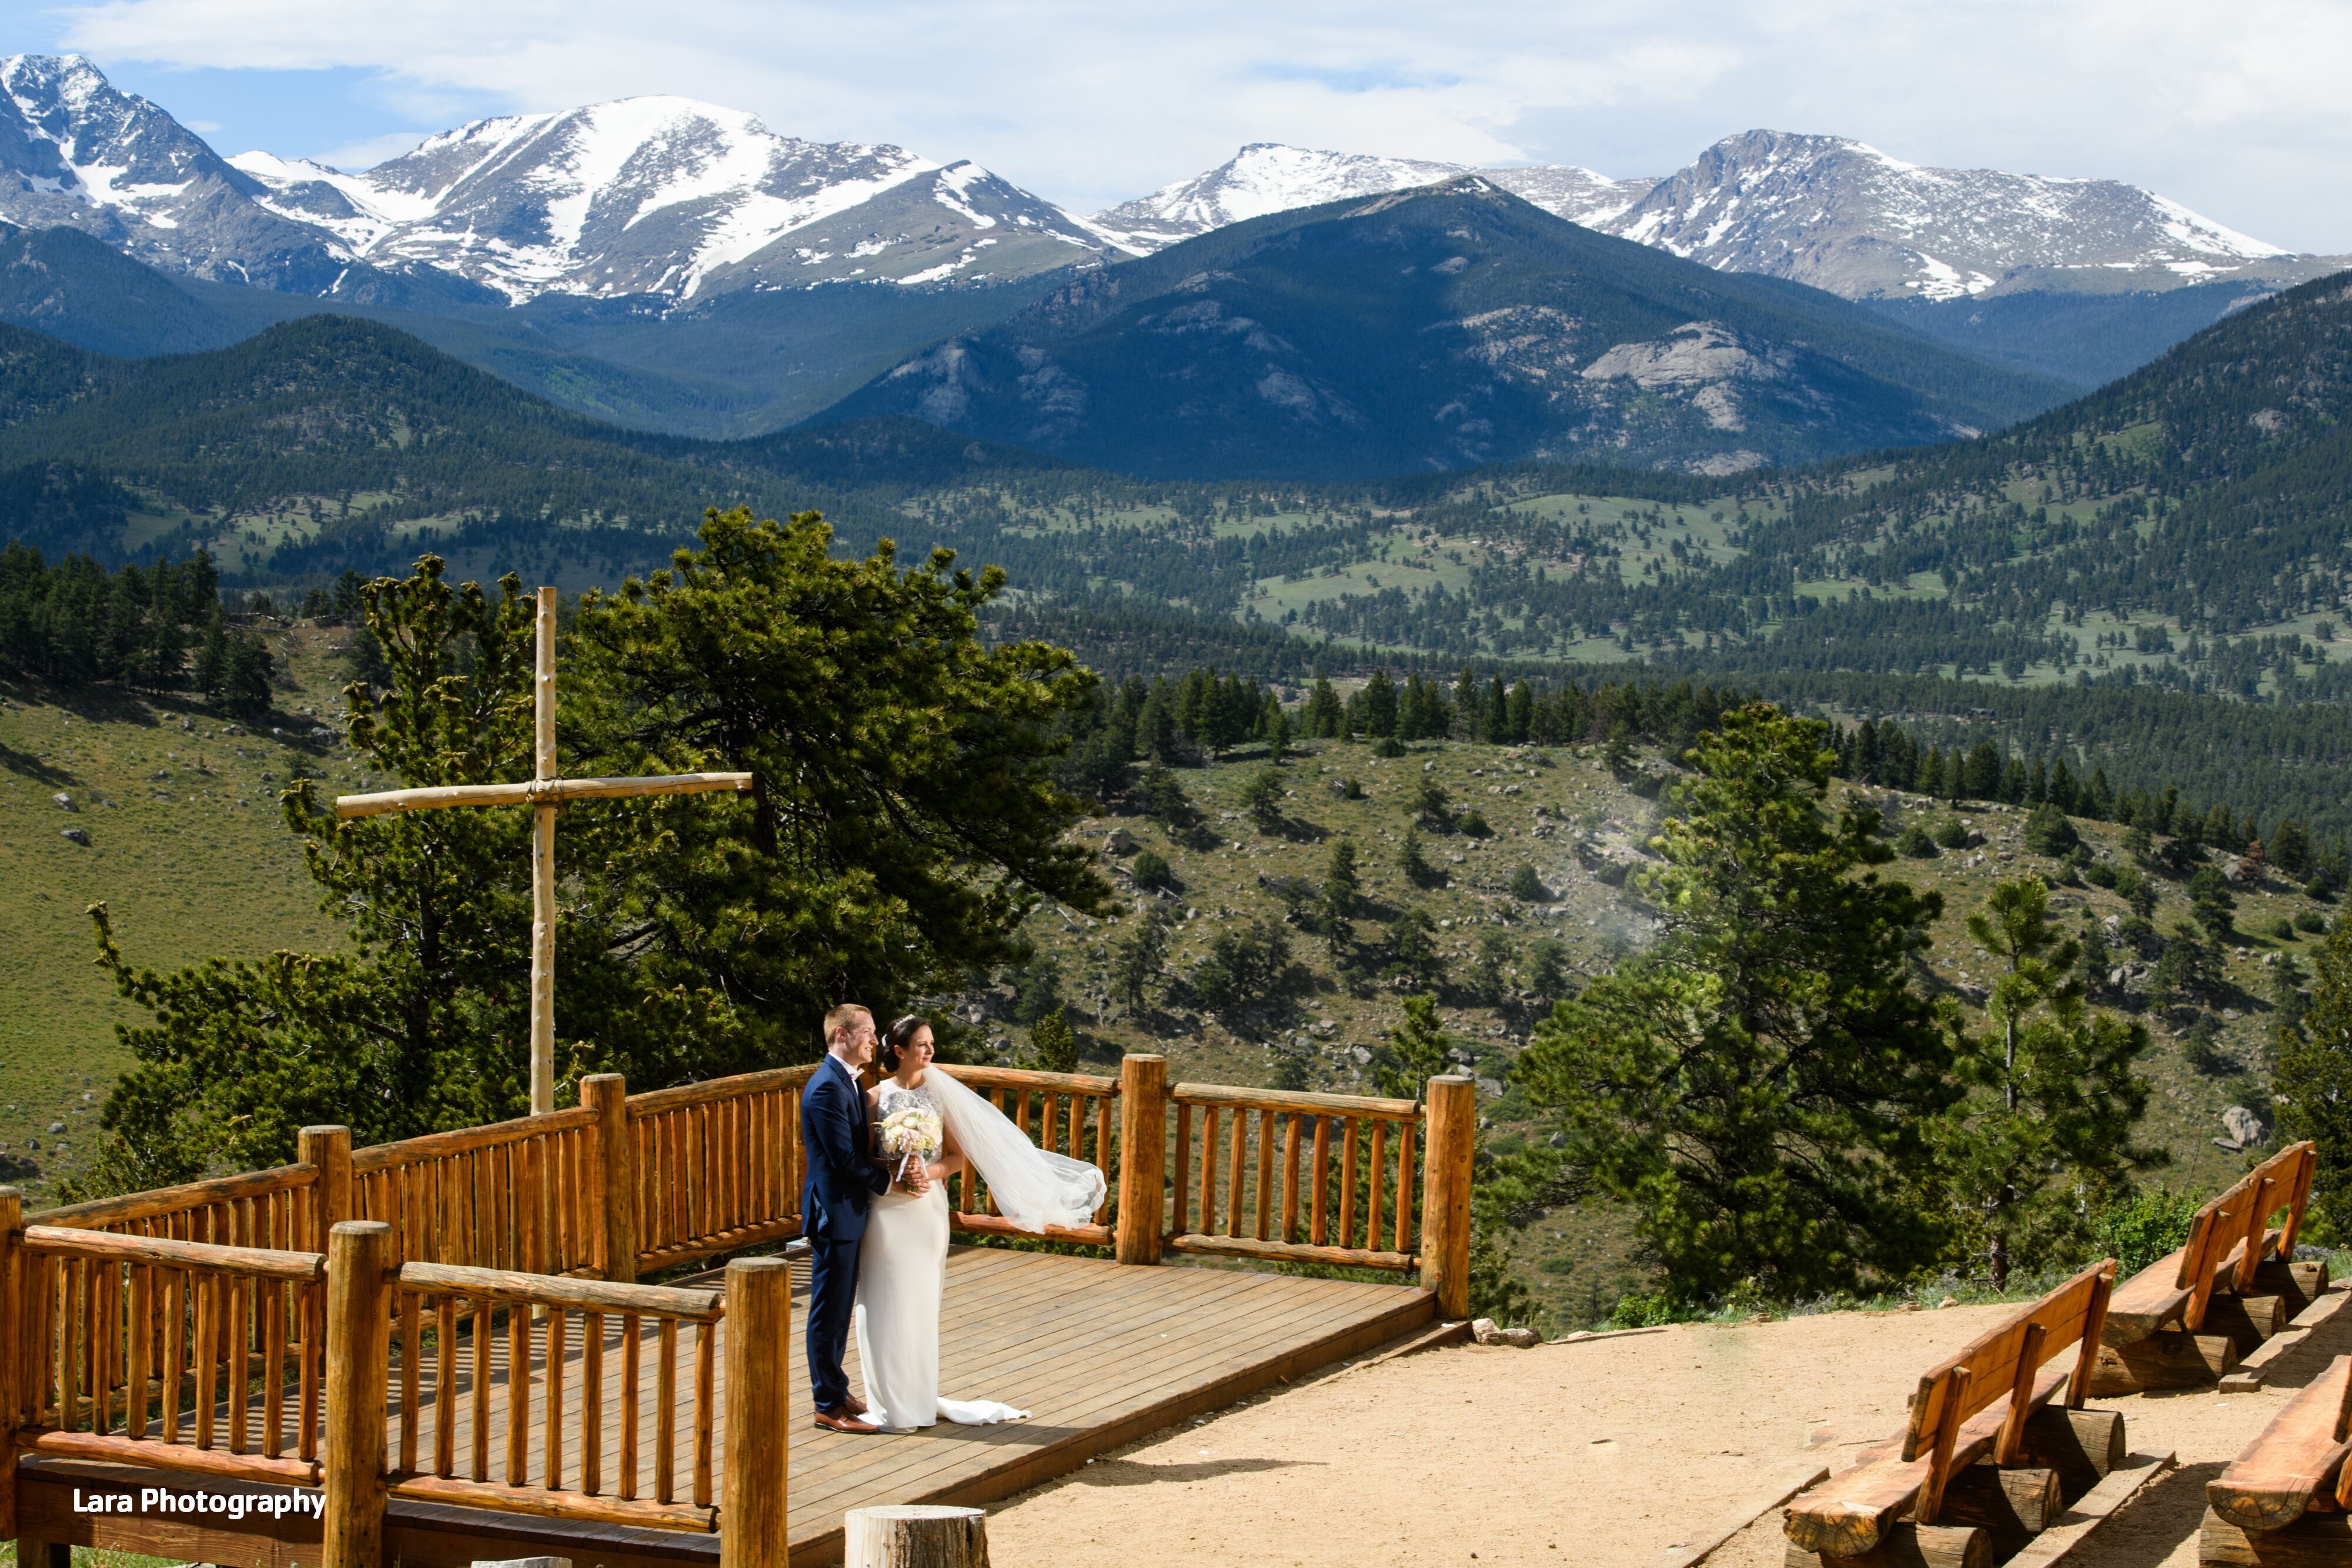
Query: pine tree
[
  {"x": 1417, "y": 1051},
  {"x": 1052, "y": 1047},
  {"x": 1324, "y": 718},
  {"x": 2315, "y": 1079},
  {"x": 1342, "y": 893},
  {"x": 1262, "y": 798},
  {"x": 2043, "y": 1139},
  {"x": 1380, "y": 706},
  {"x": 1141, "y": 959},
  {"x": 1760, "y": 1084}
]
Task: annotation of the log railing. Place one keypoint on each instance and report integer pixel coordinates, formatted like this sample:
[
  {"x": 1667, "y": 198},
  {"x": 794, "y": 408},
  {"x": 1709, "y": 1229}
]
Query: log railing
[
  {"x": 254, "y": 1209},
  {"x": 1066, "y": 1112},
  {"x": 1326, "y": 1178},
  {"x": 513, "y": 1195},
  {"x": 174, "y": 1355},
  {"x": 713, "y": 1167},
  {"x": 251, "y": 1328},
  {"x": 560, "y": 1348}
]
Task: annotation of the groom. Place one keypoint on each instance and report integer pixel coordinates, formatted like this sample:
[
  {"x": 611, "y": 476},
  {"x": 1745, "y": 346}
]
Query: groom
[{"x": 843, "y": 1177}]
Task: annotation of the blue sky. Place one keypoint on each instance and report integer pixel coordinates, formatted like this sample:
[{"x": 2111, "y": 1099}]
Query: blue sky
[{"x": 2237, "y": 110}]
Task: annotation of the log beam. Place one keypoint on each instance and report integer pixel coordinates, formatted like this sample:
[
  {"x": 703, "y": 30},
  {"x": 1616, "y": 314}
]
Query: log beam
[
  {"x": 758, "y": 1405},
  {"x": 1446, "y": 1193},
  {"x": 359, "y": 1324},
  {"x": 1142, "y": 1158}
]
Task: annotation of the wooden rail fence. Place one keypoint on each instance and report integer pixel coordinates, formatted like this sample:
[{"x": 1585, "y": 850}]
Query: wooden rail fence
[{"x": 273, "y": 1326}]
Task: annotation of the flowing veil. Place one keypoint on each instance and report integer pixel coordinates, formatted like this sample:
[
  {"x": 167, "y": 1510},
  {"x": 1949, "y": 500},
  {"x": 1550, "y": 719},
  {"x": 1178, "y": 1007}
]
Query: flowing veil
[{"x": 1033, "y": 1187}]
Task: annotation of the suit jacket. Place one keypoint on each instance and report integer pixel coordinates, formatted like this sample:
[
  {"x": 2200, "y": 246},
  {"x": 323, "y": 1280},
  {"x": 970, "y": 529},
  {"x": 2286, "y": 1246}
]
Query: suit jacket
[{"x": 842, "y": 1177}]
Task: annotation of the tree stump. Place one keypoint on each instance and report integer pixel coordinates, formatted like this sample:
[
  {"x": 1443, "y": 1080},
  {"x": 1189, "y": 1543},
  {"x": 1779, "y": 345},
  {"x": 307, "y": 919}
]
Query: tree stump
[
  {"x": 2167, "y": 1359},
  {"x": 914, "y": 1535},
  {"x": 2082, "y": 1445},
  {"x": 1907, "y": 1545}
]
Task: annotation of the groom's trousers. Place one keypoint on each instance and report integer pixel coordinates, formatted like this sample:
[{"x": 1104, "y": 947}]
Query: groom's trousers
[{"x": 833, "y": 1293}]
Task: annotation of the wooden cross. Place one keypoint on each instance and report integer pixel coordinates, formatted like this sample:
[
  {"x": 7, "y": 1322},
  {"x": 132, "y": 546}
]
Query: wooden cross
[{"x": 543, "y": 794}]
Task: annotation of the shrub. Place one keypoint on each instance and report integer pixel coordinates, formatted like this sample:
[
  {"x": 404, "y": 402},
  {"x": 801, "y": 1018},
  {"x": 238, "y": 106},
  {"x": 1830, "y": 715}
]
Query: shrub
[
  {"x": 1914, "y": 842},
  {"x": 1952, "y": 833},
  {"x": 2311, "y": 920},
  {"x": 1150, "y": 871},
  {"x": 1389, "y": 746},
  {"x": 2100, "y": 876},
  {"x": 2049, "y": 833},
  {"x": 1474, "y": 824},
  {"x": 2142, "y": 1229},
  {"x": 1649, "y": 1310},
  {"x": 1244, "y": 968},
  {"x": 1528, "y": 887},
  {"x": 2283, "y": 928}
]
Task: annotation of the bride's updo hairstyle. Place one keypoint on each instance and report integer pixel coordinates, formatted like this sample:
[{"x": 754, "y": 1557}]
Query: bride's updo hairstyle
[{"x": 895, "y": 1039}]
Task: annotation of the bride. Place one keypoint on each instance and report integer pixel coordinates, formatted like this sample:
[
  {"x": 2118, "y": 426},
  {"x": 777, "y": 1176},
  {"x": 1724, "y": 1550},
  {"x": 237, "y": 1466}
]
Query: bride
[{"x": 902, "y": 1261}]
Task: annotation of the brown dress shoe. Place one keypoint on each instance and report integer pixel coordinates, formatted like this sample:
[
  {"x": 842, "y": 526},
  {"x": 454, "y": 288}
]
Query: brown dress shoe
[
  {"x": 839, "y": 1419},
  {"x": 854, "y": 1405}
]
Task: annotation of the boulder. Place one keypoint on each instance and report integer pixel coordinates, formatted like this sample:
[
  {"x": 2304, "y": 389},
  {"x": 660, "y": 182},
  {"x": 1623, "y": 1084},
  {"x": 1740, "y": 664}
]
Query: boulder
[
  {"x": 1119, "y": 841},
  {"x": 78, "y": 835},
  {"x": 2243, "y": 1126},
  {"x": 63, "y": 801},
  {"x": 1486, "y": 1330}
]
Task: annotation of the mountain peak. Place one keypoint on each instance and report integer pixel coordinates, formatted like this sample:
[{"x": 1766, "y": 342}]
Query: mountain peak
[
  {"x": 1272, "y": 176},
  {"x": 1843, "y": 215}
]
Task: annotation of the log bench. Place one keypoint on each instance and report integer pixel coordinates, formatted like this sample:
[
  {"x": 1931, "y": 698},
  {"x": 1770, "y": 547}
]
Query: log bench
[
  {"x": 2189, "y": 1316},
  {"x": 1960, "y": 1483},
  {"x": 2283, "y": 1500}
]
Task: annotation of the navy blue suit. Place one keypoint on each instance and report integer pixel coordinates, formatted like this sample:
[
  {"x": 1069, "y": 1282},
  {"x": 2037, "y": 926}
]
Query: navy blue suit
[{"x": 842, "y": 1179}]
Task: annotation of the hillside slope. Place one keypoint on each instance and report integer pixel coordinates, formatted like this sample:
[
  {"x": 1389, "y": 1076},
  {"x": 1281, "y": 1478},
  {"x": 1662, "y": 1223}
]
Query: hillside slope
[{"x": 1435, "y": 329}]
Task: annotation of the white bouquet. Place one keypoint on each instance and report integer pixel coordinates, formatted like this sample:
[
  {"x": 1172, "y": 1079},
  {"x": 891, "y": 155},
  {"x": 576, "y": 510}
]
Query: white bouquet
[{"x": 910, "y": 1133}]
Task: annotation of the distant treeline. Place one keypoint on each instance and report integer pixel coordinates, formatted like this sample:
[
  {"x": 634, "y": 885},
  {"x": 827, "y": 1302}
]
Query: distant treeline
[{"x": 158, "y": 628}]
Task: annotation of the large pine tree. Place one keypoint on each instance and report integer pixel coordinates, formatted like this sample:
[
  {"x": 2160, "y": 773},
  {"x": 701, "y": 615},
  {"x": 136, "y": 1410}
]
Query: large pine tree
[{"x": 1761, "y": 1086}]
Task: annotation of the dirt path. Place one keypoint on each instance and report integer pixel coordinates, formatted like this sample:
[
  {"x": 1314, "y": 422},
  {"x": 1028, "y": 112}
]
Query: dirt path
[{"x": 1605, "y": 1452}]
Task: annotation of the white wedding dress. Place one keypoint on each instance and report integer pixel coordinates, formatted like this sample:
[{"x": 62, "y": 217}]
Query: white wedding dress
[{"x": 902, "y": 1262}]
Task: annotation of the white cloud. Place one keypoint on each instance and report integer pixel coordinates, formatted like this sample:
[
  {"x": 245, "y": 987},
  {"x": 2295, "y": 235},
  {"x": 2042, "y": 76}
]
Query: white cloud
[{"x": 2237, "y": 110}]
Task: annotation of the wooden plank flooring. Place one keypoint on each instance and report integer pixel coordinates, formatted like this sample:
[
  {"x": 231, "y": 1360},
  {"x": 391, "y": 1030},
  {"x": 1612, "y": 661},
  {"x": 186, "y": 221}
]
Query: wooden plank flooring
[{"x": 1099, "y": 1353}]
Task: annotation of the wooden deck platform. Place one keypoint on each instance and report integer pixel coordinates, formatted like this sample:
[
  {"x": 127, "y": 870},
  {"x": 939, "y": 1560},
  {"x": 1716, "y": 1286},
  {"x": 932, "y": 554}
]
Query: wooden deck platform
[{"x": 1099, "y": 1353}]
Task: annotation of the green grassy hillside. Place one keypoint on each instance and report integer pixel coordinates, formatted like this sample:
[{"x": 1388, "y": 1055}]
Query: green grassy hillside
[{"x": 187, "y": 849}]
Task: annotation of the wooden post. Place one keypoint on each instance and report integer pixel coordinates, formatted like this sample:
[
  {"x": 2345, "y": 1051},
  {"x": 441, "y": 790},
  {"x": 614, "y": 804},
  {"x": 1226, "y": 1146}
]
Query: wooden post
[
  {"x": 13, "y": 1349},
  {"x": 1142, "y": 1158},
  {"x": 751, "y": 1523},
  {"x": 330, "y": 1150},
  {"x": 543, "y": 870},
  {"x": 359, "y": 1327},
  {"x": 914, "y": 1535},
  {"x": 613, "y": 1184},
  {"x": 1453, "y": 1144}
]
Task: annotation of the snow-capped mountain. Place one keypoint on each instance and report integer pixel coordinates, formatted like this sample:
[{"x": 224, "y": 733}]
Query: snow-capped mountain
[
  {"x": 1268, "y": 177},
  {"x": 651, "y": 196},
  {"x": 1822, "y": 210},
  {"x": 77, "y": 152},
  {"x": 1842, "y": 215},
  {"x": 670, "y": 196}
]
